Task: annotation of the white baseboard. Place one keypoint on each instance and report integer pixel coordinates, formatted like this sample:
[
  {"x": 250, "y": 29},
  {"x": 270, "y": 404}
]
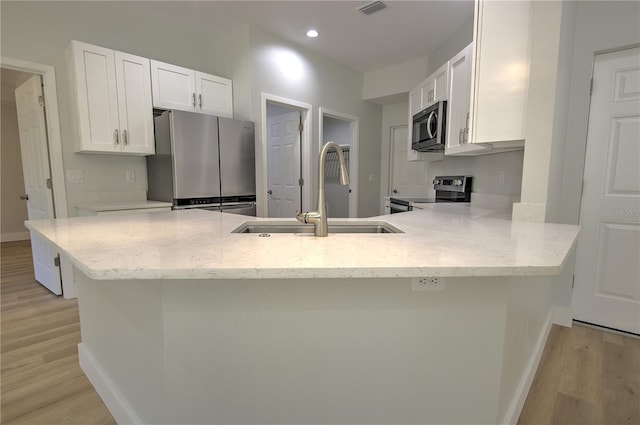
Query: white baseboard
[
  {"x": 563, "y": 316},
  {"x": 522, "y": 391},
  {"x": 121, "y": 411},
  {"x": 12, "y": 237}
]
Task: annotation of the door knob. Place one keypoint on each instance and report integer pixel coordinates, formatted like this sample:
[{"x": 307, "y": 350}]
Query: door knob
[
  {"x": 24, "y": 197},
  {"x": 395, "y": 191},
  {"x": 269, "y": 191}
]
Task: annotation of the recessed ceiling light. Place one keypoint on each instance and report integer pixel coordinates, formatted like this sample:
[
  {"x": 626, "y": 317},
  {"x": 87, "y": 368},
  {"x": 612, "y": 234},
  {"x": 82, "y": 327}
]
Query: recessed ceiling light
[{"x": 312, "y": 33}]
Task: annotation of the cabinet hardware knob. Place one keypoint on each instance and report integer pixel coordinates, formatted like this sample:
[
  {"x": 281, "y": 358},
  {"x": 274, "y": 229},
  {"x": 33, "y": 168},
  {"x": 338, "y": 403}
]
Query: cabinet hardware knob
[
  {"x": 200, "y": 100},
  {"x": 194, "y": 100},
  {"x": 124, "y": 137},
  {"x": 116, "y": 137}
]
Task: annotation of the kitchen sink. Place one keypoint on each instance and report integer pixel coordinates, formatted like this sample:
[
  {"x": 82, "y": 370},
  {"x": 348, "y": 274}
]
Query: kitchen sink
[{"x": 257, "y": 226}]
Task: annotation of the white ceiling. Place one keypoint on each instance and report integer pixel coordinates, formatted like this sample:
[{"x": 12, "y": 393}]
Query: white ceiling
[{"x": 404, "y": 31}]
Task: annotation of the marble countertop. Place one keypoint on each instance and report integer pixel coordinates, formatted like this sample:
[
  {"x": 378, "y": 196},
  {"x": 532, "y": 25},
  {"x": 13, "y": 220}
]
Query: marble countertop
[
  {"x": 439, "y": 240},
  {"x": 121, "y": 206}
]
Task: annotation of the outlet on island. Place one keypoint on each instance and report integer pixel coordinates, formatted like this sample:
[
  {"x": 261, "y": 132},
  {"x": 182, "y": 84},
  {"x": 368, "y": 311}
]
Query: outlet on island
[{"x": 428, "y": 283}]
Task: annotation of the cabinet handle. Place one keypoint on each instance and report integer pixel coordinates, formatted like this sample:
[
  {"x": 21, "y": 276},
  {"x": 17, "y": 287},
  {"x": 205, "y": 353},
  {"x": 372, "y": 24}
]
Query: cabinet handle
[
  {"x": 468, "y": 115},
  {"x": 200, "y": 100},
  {"x": 124, "y": 137},
  {"x": 116, "y": 137},
  {"x": 194, "y": 100},
  {"x": 460, "y": 136}
]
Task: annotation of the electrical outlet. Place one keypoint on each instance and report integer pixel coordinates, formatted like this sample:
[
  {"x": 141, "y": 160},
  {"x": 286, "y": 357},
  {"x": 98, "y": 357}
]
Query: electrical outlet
[
  {"x": 428, "y": 283},
  {"x": 131, "y": 176}
]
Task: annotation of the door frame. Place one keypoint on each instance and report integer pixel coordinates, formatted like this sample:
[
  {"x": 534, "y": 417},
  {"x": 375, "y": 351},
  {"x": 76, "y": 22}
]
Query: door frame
[
  {"x": 354, "y": 124},
  {"x": 52, "y": 118},
  {"x": 305, "y": 149}
]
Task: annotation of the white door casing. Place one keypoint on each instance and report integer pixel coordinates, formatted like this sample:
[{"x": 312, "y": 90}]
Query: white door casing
[
  {"x": 37, "y": 176},
  {"x": 607, "y": 275},
  {"x": 283, "y": 159},
  {"x": 406, "y": 177}
]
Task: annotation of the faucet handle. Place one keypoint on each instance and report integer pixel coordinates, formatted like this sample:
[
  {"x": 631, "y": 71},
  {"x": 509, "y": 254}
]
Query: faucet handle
[{"x": 301, "y": 216}]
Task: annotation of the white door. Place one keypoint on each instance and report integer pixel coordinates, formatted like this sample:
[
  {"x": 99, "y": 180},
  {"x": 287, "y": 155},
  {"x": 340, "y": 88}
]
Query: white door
[
  {"x": 215, "y": 95},
  {"x": 407, "y": 177},
  {"x": 37, "y": 174},
  {"x": 283, "y": 162},
  {"x": 607, "y": 276}
]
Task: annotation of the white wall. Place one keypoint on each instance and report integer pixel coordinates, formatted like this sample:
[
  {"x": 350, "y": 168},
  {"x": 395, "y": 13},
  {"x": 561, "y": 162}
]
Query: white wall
[
  {"x": 13, "y": 211},
  {"x": 394, "y": 82},
  {"x": 284, "y": 69},
  {"x": 458, "y": 41}
]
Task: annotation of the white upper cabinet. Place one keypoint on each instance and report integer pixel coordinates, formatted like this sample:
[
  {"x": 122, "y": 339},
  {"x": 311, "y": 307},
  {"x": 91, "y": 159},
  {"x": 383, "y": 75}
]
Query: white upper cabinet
[
  {"x": 500, "y": 72},
  {"x": 433, "y": 89},
  {"x": 175, "y": 87},
  {"x": 112, "y": 100},
  {"x": 458, "y": 107}
]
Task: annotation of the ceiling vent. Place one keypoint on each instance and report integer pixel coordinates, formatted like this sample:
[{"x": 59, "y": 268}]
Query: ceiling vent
[{"x": 372, "y": 7}]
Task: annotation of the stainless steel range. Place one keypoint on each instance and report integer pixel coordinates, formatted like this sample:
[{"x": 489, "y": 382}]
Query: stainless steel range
[{"x": 448, "y": 189}]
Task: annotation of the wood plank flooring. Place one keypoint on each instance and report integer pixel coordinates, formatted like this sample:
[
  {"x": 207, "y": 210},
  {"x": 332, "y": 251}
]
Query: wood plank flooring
[
  {"x": 586, "y": 376},
  {"x": 41, "y": 381}
]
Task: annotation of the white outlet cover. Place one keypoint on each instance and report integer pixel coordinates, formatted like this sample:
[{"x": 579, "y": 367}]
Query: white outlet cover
[{"x": 75, "y": 176}]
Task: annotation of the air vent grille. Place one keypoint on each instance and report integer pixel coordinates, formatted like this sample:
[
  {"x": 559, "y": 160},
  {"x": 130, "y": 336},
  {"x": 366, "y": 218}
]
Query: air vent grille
[{"x": 372, "y": 7}]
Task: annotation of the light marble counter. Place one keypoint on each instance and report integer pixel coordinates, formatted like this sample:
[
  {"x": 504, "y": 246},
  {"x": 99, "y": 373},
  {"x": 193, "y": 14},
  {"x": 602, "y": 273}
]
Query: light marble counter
[{"x": 439, "y": 240}]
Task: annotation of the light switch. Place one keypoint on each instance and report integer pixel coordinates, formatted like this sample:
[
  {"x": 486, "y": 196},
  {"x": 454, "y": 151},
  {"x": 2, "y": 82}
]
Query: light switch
[{"x": 75, "y": 176}]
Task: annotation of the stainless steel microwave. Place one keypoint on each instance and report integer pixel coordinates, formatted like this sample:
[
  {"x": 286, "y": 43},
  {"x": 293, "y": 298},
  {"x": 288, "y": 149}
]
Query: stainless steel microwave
[{"x": 429, "y": 128}]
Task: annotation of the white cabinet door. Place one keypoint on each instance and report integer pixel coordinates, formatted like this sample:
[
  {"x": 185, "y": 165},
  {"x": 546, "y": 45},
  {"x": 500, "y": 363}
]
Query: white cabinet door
[
  {"x": 501, "y": 71},
  {"x": 174, "y": 87},
  {"x": 134, "y": 104},
  {"x": 215, "y": 95},
  {"x": 415, "y": 100},
  {"x": 459, "y": 105},
  {"x": 97, "y": 97},
  {"x": 440, "y": 84}
]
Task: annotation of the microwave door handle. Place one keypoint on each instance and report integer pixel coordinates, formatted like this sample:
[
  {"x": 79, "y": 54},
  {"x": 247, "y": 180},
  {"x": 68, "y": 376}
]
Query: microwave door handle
[{"x": 431, "y": 135}]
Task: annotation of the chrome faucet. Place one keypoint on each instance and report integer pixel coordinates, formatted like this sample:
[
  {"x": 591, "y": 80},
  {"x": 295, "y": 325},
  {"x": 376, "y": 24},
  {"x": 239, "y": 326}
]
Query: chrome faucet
[{"x": 319, "y": 217}]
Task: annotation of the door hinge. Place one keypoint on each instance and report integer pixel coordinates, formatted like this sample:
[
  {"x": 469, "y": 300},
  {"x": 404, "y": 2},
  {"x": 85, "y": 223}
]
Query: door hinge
[
  {"x": 300, "y": 127},
  {"x": 41, "y": 100},
  {"x": 49, "y": 184},
  {"x": 300, "y": 182},
  {"x": 56, "y": 261}
]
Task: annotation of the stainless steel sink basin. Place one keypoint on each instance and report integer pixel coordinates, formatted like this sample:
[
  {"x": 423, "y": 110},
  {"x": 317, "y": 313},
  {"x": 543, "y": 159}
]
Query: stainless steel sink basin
[{"x": 256, "y": 226}]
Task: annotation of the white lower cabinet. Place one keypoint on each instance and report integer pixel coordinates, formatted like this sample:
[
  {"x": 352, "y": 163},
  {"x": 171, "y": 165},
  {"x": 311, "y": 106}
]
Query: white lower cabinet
[
  {"x": 175, "y": 87},
  {"x": 112, "y": 101}
]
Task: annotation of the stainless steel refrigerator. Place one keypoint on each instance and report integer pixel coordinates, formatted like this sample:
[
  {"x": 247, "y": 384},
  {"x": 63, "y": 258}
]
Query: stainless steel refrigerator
[{"x": 203, "y": 161}]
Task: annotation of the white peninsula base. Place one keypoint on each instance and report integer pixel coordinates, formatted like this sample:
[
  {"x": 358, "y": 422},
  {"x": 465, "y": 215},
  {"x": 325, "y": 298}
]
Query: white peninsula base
[{"x": 313, "y": 351}]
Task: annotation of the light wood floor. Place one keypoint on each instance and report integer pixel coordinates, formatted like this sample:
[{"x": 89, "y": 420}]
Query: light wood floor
[{"x": 586, "y": 376}]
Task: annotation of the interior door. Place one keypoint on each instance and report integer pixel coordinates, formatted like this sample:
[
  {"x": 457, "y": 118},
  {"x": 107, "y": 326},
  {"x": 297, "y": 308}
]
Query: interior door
[
  {"x": 283, "y": 159},
  {"x": 607, "y": 277},
  {"x": 37, "y": 177},
  {"x": 407, "y": 177}
]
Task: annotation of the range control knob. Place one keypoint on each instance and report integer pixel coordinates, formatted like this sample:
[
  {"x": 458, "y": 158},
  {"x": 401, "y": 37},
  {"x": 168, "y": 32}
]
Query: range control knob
[
  {"x": 457, "y": 182},
  {"x": 436, "y": 181}
]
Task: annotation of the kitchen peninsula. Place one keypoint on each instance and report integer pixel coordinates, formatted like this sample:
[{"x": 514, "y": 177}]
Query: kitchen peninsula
[{"x": 185, "y": 322}]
